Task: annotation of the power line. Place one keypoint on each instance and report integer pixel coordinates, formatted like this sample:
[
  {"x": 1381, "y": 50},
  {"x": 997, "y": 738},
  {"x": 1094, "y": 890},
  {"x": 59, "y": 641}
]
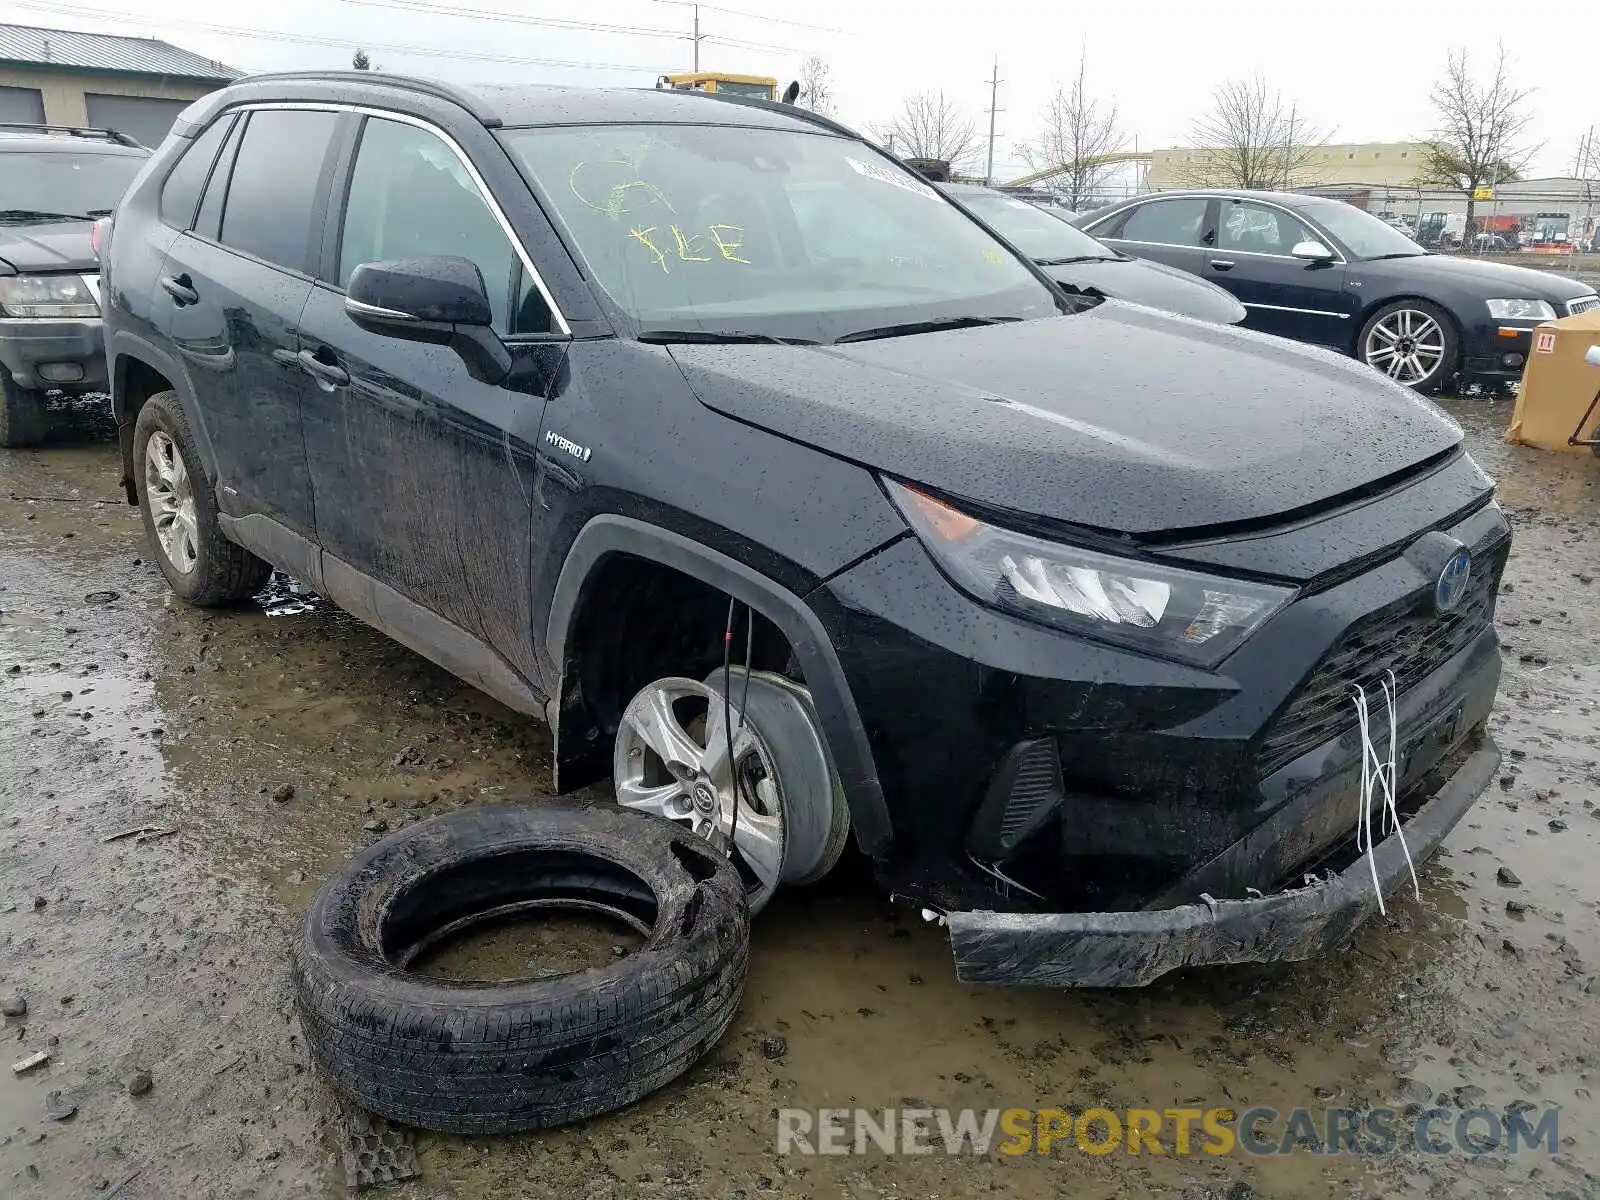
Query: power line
[
  {"x": 499, "y": 16},
  {"x": 96, "y": 14},
  {"x": 739, "y": 12}
]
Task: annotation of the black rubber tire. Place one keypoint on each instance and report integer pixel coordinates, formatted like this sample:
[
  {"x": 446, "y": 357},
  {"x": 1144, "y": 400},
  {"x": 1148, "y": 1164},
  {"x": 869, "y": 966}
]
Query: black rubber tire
[
  {"x": 23, "y": 420},
  {"x": 224, "y": 572},
  {"x": 500, "y": 1058},
  {"x": 1450, "y": 364}
]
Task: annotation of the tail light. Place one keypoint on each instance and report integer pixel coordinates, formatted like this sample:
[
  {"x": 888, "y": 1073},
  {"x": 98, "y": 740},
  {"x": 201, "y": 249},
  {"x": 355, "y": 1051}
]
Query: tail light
[{"x": 100, "y": 236}]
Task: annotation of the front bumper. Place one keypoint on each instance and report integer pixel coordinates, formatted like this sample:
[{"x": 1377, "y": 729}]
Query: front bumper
[
  {"x": 1493, "y": 350},
  {"x": 39, "y": 352},
  {"x": 1129, "y": 949}
]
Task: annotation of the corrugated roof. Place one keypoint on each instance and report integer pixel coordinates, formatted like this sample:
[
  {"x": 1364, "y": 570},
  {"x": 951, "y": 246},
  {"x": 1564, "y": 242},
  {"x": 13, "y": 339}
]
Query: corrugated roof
[{"x": 104, "y": 52}]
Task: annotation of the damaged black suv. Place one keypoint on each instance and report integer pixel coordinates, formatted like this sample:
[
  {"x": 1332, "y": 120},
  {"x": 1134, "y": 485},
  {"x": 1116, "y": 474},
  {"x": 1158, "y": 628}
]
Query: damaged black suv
[{"x": 803, "y": 505}]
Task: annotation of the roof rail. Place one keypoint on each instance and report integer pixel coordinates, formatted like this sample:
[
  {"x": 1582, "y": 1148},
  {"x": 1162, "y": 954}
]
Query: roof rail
[
  {"x": 83, "y": 131},
  {"x": 470, "y": 101}
]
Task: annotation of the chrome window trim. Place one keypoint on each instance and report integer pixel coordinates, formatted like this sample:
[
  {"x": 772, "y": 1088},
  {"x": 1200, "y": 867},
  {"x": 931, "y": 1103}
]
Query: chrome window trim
[{"x": 484, "y": 191}]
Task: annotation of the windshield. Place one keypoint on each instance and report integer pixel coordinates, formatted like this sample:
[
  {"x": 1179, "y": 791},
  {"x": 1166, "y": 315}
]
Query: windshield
[
  {"x": 770, "y": 232},
  {"x": 83, "y": 185},
  {"x": 1036, "y": 233},
  {"x": 1363, "y": 234}
]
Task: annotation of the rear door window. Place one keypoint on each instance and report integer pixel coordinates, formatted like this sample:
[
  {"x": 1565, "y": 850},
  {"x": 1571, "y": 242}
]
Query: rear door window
[
  {"x": 274, "y": 193},
  {"x": 180, "y": 194},
  {"x": 1176, "y": 222}
]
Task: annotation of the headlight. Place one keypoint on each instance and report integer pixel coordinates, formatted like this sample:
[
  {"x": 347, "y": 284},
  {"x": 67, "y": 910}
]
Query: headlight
[
  {"x": 1164, "y": 610},
  {"x": 46, "y": 296},
  {"x": 1521, "y": 310}
]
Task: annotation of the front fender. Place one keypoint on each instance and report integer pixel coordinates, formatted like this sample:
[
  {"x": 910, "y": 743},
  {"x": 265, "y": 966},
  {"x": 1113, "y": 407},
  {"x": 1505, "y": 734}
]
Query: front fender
[{"x": 607, "y": 535}]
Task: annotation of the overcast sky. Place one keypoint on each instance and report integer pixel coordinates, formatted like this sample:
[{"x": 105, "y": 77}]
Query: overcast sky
[{"x": 1361, "y": 69}]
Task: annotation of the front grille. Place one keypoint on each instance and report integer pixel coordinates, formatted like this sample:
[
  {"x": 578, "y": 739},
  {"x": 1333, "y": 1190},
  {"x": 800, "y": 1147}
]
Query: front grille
[
  {"x": 1402, "y": 638},
  {"x": 1582, "y": 304}
]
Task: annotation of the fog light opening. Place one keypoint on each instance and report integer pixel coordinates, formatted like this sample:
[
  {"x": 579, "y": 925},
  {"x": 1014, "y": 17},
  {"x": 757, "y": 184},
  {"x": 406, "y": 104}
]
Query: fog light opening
[
  {"x": 64, "y": 372},
  {"x": 1512, "y": 360}
]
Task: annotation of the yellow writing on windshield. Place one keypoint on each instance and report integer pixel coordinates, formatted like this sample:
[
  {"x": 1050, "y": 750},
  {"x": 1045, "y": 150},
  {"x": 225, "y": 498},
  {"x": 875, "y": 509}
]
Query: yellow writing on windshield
[
  {"x": 628, "y": 195},
  {"x": 689, "y": 246},
  {"x": 642, "y": 236},
  {"x": 996, "y": 259},
  {"x": 729, "y": 240}
]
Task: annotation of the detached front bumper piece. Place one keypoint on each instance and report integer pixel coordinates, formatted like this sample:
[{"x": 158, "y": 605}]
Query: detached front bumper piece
[{"x": 1129, "y": 949}]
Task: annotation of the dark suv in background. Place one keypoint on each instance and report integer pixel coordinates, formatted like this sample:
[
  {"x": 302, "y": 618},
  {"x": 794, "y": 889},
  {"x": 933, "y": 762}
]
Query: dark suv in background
[
  {"x": 1057, "y": 604},
  {"x": 54, "y": 183}
]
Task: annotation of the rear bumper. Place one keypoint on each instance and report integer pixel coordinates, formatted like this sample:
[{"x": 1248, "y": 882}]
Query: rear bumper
[
  {"x": 56, "y": 347},
  {"x": 1129, "y": 949}
]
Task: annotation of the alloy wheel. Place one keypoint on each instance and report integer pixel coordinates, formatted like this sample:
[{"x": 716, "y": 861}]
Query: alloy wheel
[
  {"x": 1407, "y": 345},
  {"x": 170, "y": 494},
  {"x": 672, "y": 759}
]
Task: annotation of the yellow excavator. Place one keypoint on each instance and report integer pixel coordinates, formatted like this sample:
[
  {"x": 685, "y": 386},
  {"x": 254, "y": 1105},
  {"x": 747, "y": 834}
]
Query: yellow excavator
[{"x": 760, "y": 87}]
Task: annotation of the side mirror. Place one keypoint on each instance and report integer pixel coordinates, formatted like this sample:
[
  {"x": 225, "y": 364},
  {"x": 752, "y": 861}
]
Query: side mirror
[
  {"x": 1312, "y": 251},
  {"x": 439, "y": 300},
  {"x": 792, "y": 92},
  {"x": 1592, "y": 356}
]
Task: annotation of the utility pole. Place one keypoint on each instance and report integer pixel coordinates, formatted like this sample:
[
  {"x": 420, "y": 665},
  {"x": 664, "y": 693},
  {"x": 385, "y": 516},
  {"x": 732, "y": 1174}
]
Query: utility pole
[
  {"x": 1288, "y": 147},
  {"x": 994, "y": 93},
  {"x": 697, "y": 39}
]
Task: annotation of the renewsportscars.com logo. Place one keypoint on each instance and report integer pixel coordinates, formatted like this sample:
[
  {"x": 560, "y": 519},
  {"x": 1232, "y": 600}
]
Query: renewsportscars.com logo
[{"x": 1168, "y": 1131}]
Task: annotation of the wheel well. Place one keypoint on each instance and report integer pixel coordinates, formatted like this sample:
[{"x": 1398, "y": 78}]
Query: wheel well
[
  {"x": 638, "y": 621},
  {"x": 136, "y": 382}
]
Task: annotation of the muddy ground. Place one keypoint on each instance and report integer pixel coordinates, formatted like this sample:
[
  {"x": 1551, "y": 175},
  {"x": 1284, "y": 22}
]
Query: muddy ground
[{"x": 167, "y": 953}]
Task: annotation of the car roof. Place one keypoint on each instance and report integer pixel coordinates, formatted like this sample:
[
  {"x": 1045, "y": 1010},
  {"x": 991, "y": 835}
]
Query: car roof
[
  {"x": 517, "y": 105},
  {"x": 1283, "y": 199}
]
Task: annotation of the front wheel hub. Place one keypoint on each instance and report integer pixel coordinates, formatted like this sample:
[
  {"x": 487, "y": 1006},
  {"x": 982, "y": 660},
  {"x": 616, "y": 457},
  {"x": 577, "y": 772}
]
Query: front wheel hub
[{"x": 672, "y": 758}]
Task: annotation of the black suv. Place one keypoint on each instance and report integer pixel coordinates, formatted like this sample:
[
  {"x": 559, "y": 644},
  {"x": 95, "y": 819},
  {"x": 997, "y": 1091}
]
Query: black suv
[
  {"x": 54, "y": 183},
  {"x": 1059, "y": 604}
]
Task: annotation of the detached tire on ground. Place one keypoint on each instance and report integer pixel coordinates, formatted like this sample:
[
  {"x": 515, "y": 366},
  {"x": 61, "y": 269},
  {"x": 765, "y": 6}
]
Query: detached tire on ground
[{"x": 476, "y": 1058}]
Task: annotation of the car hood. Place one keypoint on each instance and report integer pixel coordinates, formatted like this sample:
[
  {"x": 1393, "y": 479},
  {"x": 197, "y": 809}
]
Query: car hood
[
  {"x": 1154, "y": 284},
  {"x": 51, "y": 246},
  {"x": 1118, "y": 418},
  {"x": 1489, "y": 279}
]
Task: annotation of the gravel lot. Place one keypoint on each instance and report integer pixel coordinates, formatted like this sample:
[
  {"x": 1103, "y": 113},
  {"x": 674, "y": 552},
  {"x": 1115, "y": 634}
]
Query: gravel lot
[{"x": 261, "y": 747}]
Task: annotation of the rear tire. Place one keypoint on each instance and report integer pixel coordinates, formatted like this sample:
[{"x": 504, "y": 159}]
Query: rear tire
[
  {"x": 23, "y": 420},
  {"x": 179, "y": 508}
]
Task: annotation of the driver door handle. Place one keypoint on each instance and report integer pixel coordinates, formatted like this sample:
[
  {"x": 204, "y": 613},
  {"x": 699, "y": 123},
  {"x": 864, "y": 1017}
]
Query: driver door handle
[
  {"x": 330, "y": 374},
  {"x": 181, "y": 289},
  {"x": 1222, "y": 264}
]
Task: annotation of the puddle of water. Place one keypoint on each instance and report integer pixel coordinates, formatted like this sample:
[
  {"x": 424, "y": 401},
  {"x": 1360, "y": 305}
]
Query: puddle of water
[{"x": 536, "y": 946}]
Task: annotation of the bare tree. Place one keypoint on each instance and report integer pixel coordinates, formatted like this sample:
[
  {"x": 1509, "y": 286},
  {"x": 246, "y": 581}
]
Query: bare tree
[
  {"x": 929, "y": 125},
  {"x": 1481, "y": 136},
  {"x": 1251, "y": 138},
  {"x": 360, "y": 61},
  {"x": 1079, "y": 135},
  {"x": 816, "y": 86}
]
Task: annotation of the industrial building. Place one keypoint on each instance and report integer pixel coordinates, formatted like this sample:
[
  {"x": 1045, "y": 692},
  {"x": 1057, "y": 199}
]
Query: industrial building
[
  {"x": 137, "y": 86},
  {"x": 1364, "y": 164}
]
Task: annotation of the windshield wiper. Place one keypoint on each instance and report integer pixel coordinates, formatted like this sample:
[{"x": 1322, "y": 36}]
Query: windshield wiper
[
  {"x": 32, "y": 214},
  {"x": 725, "y": 337},
  {"x": 1396, "y": 254},
  {"x": 1076, "y": 258},
  {"x": 910, "y": 327}
]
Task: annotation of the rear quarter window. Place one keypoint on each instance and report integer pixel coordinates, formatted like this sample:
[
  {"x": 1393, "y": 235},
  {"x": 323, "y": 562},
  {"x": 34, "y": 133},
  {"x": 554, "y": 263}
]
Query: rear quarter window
[{"x": 180, "y": 194}]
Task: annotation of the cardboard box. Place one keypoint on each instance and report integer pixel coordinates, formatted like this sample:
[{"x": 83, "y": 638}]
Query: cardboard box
[{"x": 1557, "y": 385}]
